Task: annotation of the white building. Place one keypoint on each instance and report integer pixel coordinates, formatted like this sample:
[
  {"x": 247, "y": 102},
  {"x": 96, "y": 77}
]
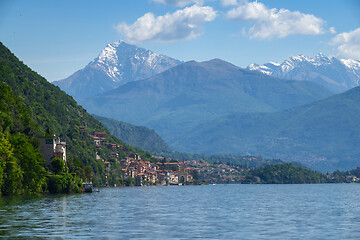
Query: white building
[{"x": 52, "y": 147}]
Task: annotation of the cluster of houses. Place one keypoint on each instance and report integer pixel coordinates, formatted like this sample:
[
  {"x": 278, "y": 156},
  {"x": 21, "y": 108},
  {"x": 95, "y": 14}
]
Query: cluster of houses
[
  {"x": 98, "y": 138},
  {"x": 163, "y": 172},
  {"x": 147, "y": 173},
  {"x": 144, "y": 172},
  {"x": 218, "y": 173}
]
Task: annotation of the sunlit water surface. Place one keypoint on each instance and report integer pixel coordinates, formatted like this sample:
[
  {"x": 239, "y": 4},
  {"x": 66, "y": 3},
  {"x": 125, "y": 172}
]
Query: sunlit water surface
[{"x": 327, "y": 211}]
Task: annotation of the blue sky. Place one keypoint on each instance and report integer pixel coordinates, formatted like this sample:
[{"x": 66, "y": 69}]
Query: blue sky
[{"x": 56, "y": 38}]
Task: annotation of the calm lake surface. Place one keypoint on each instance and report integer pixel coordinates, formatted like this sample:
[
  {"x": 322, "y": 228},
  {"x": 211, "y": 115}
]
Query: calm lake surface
[{"x": 324, "y": 211}]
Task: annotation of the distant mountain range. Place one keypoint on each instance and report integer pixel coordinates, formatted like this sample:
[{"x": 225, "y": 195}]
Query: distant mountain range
[
  {"x": 116, "y": 65},
  {"x": 192, "y": 93},
  {"x": 338, "y": 75},
  {"x": 324, "y": 135},
  {"x": 280, "y": 110}
]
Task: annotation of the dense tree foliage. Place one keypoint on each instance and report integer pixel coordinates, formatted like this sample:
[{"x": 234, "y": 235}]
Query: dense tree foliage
[
  {"x": 64, "y": 183},
  {"x": 285, "y": 173},
  {"x": 240, "y": 160},
  {"x": 21, "y": 164},
  {"x": 57, "y": 165}
]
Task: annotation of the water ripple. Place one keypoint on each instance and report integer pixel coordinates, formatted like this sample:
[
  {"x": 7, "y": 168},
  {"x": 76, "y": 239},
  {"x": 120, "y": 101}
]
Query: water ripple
[{"x": 328, "y": 211}]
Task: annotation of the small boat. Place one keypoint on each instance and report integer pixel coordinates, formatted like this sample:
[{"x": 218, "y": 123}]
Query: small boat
[{"x": 88, "y": 187}]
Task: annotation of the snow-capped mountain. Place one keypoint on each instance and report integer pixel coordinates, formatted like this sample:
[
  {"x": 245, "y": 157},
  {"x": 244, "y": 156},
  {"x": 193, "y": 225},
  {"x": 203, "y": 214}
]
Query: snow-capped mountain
[
  {"x": 116, "y": 65},
  {"x": 338, "y": 75}
]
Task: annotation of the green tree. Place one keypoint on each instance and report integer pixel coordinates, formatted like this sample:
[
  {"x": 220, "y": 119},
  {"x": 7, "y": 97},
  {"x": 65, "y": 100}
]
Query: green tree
[
  {"x": 57, "y": 165},
  {"x": 31, "y": 163},
  {"x": 5, "y": 153},
  {"x": 88, "y": 173},
  {"x": 13, "y": 182},
  {"x": 10, "y": 172}
]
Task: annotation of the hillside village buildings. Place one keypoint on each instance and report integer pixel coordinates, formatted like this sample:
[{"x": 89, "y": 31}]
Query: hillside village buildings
[
  {"x": 129, "y": 167},
  {"x": 143, "y": 172}
]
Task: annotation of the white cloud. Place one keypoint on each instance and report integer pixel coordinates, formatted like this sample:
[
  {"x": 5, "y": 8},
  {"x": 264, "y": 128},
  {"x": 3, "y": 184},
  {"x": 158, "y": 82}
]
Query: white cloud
[
  {"x": 332, "y": 30},
  {"x": 348, "y": 44},
  {"x": 180, "y": 25},
  {"x": 179, "y": 3},
  {"x": 270, "y": 23}
]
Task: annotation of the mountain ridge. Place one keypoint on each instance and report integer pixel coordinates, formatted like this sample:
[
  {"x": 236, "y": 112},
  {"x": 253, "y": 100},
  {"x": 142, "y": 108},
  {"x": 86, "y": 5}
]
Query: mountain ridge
[
  {"x": 338, "y": 75},
  {"x": 117, "y": 64},
  {"x": 322, "y": 135},
  {"x": 182, "y": 96}
]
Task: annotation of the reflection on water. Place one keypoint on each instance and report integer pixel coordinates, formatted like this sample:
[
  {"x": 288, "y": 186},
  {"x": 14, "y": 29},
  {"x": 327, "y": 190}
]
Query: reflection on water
[{"x": 328, "y": 211}]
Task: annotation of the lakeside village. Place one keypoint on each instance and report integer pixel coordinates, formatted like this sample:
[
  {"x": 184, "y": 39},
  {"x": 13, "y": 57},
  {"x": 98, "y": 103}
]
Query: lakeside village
[
  {"x": 133, "y": 168},
  {"x": 169, "y": 171}
]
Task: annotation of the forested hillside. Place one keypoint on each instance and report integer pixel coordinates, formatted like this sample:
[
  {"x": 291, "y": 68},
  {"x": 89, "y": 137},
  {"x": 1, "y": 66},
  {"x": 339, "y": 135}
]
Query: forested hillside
[
  {"x": 40, "y": 109},
  {"x": 137, "y": 136}
]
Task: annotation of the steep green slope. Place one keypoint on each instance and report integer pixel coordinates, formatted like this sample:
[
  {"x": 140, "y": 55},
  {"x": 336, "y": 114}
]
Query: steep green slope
[
  {"x": 57, "y": 113},
  {"x": 51, "y": 108},
  {"x": 21, "y": 164},
  {"x": 137, "y": 136},
  {"x": 324, "y": 135},
  {"x": 184, "y": 96}
]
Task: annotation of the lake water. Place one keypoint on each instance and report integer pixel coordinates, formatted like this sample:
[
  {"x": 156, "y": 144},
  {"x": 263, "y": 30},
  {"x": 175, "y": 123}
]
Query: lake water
[{"x": 324, "y": 211}]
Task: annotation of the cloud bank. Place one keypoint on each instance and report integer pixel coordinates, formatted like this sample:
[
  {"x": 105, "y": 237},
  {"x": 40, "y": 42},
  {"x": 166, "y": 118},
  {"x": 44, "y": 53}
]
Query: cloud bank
[
  {"x": 274, "y": 23},
  {"x": 181, "y": 25},
  {"x": 348, "y": 44}
]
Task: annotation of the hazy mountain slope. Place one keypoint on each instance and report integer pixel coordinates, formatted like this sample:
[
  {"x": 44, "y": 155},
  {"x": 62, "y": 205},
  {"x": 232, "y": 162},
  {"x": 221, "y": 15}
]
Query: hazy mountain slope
[
  {"x": 190, "y": 93},
  {"x": 324, "y": 135},
  {"x": 116, "y": 65},
  {"x": 137, "y": 136},
  {"x": 338, "y": 75}
]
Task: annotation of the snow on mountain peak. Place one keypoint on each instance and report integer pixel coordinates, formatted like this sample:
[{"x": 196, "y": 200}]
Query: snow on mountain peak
[
  {"x": 336, "y": 74},
  {"x": 108, "y": 55},
  {"x": 320, "y": 55},
  {"x": 351, "y": 64},
  {"x": 120, "y": 56},
  {"x": 293, "y": 62},
  {"x": 275, "y": 64},
  {"x": 263, "y": 69},
  {"x": 299, "y": 58},
  {"x": 117, "y": 64}
]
